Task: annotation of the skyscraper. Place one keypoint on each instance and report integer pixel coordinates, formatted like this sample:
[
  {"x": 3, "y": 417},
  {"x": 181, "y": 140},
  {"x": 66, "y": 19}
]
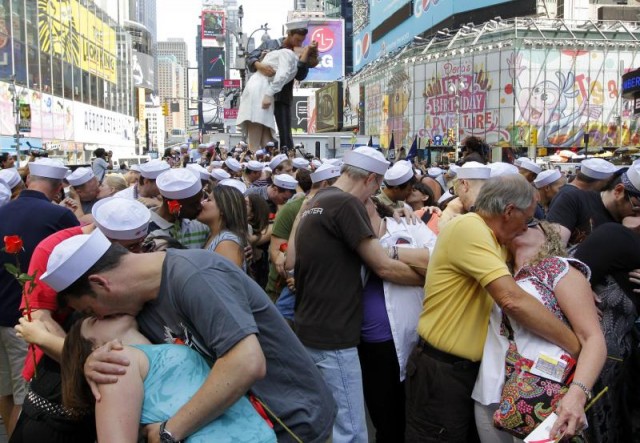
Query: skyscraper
[{"x": 175, "y": 48}]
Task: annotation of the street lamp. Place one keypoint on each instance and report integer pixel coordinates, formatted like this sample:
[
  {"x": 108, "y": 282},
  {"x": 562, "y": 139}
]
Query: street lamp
[
  {"x": 15, "y": 98},
  {"x": 457, "y": 88},
  {"x": 243, "y": 43}
]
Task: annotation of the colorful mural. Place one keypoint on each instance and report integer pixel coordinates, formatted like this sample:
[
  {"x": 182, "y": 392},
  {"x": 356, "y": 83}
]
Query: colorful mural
[{"x": 549, "y": 97}]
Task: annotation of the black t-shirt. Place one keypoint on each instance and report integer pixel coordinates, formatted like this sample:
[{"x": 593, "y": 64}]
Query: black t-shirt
[
  {"x": 328, "y": 311},
  {"x": 614, "y": 250},
  {"x": 580, "y": 212}
]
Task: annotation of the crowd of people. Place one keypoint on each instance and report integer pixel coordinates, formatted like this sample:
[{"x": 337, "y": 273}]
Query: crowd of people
[{"x": 256, "y": 296}]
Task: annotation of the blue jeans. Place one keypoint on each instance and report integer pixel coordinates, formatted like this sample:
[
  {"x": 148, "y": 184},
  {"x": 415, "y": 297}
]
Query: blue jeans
[
  {"x": 286, "y": 303},
  {"x": 341, "y": 371}
]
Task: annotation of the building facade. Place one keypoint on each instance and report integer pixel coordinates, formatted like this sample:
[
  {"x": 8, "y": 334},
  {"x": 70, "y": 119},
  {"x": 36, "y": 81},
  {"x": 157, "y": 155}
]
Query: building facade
[
  {"x": 175, "y": 48},
  {"x": 64, "y": 61}
]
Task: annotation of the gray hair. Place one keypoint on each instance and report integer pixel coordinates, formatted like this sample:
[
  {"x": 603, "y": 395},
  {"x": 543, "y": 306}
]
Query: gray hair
[
  {"x": 52, "y": 182},
  {"x": 354, "y": 172},
  {"x": 498, "y": 192}
]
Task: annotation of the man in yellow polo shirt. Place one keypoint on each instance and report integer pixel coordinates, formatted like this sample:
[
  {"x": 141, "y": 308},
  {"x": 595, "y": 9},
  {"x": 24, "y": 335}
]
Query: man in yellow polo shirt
[{"x": 466, "y": 274}]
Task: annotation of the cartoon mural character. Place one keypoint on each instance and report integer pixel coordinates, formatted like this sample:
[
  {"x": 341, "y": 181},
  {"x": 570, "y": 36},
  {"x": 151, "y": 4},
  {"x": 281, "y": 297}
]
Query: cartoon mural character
[
  {"x": 546, "y": 106},
  {"x": 399, "y": 93}
]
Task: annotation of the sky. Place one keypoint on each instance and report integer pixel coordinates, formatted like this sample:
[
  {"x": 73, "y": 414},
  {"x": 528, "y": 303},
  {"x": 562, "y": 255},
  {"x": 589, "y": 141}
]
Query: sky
[{"x": 179, "y": 18}]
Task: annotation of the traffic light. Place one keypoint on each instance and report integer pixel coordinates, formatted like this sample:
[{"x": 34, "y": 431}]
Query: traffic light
[{"x": 165, "y": 109}]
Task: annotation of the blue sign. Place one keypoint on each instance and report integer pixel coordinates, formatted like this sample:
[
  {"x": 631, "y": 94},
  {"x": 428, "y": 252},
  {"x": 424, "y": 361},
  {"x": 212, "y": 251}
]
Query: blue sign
[
  {"x": 426, "y": 15},
  {"x": 437, "y": 140},
  {"x": 631, "y": 84}
]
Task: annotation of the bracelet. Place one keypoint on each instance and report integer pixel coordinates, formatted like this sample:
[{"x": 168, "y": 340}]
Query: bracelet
[{"x": 587, "y": 391}]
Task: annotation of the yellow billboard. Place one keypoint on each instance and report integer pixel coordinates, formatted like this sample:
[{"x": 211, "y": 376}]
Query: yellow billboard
[{"x": 72, "y": 32}]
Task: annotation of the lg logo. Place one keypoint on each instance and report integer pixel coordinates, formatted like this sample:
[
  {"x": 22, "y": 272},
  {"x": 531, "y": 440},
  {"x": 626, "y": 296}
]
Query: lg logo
[{"x": 325, "y": 39}]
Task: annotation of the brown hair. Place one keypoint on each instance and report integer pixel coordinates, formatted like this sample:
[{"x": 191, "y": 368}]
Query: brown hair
[
  {"x": 552, "y": 246},
  {"x": 76, "y": 393}
]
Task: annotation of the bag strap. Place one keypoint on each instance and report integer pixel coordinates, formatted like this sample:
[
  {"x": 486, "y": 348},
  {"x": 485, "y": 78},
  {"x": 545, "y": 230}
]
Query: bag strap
[
  {"x": 507, "y": 325},
  {"x": 279, "y": 421}
]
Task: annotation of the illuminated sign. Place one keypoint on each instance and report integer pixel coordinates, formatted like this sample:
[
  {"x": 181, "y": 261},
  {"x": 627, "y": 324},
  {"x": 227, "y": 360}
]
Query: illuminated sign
[
  {"x": 212, "y": 24},
  {"x": 330, "y": 37},
  {"x": 631, "y": 84},
  {"x": 70, "y": 31},
  {"x": 213, "y": 67}
]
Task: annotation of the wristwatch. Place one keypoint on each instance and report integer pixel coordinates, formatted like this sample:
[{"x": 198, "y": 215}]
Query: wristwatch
[
  {"x": 166, "y": 436},
  {"x": 587, "y": 391}
]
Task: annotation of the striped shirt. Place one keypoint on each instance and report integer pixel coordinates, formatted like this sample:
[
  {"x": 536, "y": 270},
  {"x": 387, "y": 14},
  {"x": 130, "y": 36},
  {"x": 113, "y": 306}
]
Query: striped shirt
[{"x": 192, "y": 234}]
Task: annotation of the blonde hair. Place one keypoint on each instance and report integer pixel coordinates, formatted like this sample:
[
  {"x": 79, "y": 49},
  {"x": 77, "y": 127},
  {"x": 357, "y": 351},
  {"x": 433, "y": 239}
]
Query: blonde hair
[
  {"x": 115, "y": 182},
  {"x": 552, "y": 246}
]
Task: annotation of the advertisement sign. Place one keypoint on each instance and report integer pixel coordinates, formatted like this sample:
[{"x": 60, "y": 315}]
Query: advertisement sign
[
  {"x": 212, "y": 24},
  {"x": 231, "y": 83},
  {"x": 299, "y": 115},
  {"x": 230, "y": 114},
  {"x": 192, "y": 86},
  {"x": 142, "y": 127},
  {"x": 330, "y": 37},
  {"x": 370, "y": 14},
  {"x": 213, "y": 69},
  {"x": 25, "y": 117},
  {"x": 143, "y": 70},
  {"x": 93, "y": 125},
  {"x": 329, "y": 108},
  {"x": 67, "y": 29},
  {"x": 351, "y": 108}
]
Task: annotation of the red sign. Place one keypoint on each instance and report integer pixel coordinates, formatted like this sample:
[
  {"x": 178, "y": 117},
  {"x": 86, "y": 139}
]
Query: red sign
[
  {"x": 231, "y": 84},
  {"x": 230, "y": 114},
  {"x": 325, "y": 38}
]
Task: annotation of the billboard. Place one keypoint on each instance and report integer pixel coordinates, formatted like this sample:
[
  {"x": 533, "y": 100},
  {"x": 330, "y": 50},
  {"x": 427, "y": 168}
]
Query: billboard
[
  {"x": 351, "y": 106},
  {"x": 299, "y": 115},
  {"x": 370, "y": 15},
  {"x": 110, "y": 128},
  {"x": 192, "y": 86},
  {"x": 143, "y": 70},
  {"x": 213, "y": 67},
  {"x": 329, "y": 108},
  {"x": 212, "y": 24},
  {"x": 330, "y": 37},
  {"x": 67, "y": 29}
]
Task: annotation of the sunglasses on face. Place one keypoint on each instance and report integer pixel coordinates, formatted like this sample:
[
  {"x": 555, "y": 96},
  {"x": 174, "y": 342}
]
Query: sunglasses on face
[{"x": 634, "y": 207}]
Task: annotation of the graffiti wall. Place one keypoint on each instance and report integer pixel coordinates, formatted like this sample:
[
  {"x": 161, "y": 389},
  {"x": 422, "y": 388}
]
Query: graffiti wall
[{"x": 505, "y": 96}]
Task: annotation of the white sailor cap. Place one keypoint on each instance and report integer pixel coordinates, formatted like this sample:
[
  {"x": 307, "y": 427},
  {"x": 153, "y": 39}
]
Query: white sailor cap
[
  {"x": 297, "y": 24},
  {"x": 434, "y": 172},
  {"x": 219, "y": 174},
  {"x": 398, "y": 174},
  {"x": 253, "y": 165},
  {"x": 71, "y": 258},
  {"x": 203, "y": 146},
  {"x": 135, "y": 168},
  {"x": 545, "y": 178},
  {"x": 234, "y": 183},
  {"x": 501, "y": 168},
  {"x": 275, "y": 162},
  {"x": 285, "y": 181},
  {"x": 597, "y": 168},
  {"x": 5, "y": 194},
  {"x": 473, "y": 171},
  {"x": 325, "y": 171},
  {"x": 260, "y": 152},
  {"x": 333, "y": 161},
  {"x": 121, "y": 218},
  {"x": 238, "y": 149},
  {"x": 519, "y": 161},
  {"x": 316, "y": 163},
  {"x": 200, "y": 172},
  {"x": 631, "y": 180},
  {"x": 216, "y": 164},
  {"x": 152, "y": 169},
  {"x": 233, "y": 164},
  {"x": 300, "y": 163},
  {"x": 48, "y": 168},
  {"x": 453, "y": 170},
  {"x": 530, "y": 166},
  {"x": 418, "y": 172},
  {"x": 270, "y": 145},
  {"x": 368, "y": 159},
  {"x": 178, "y": 184},
  {"x": 11, "y": 177},
  {"x": 80, "y": 176}
]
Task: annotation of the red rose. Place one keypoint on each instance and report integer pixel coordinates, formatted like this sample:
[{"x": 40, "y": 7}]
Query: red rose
[
  {"x": 272, "y": 216},
  {"x": 174, "y": 207},
  {"x": 12, "y": 244},
  {"x": 284, "y": 246}
]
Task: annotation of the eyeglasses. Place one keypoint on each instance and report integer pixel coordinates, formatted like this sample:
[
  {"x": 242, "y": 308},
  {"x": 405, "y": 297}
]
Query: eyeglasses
[
  {"x": 634, "y": 207},
  {"x": 534, "y": 222}
]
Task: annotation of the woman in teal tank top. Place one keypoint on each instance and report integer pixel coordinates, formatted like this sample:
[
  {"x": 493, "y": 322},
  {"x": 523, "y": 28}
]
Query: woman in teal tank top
[{"x": 158, "y": 382}]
